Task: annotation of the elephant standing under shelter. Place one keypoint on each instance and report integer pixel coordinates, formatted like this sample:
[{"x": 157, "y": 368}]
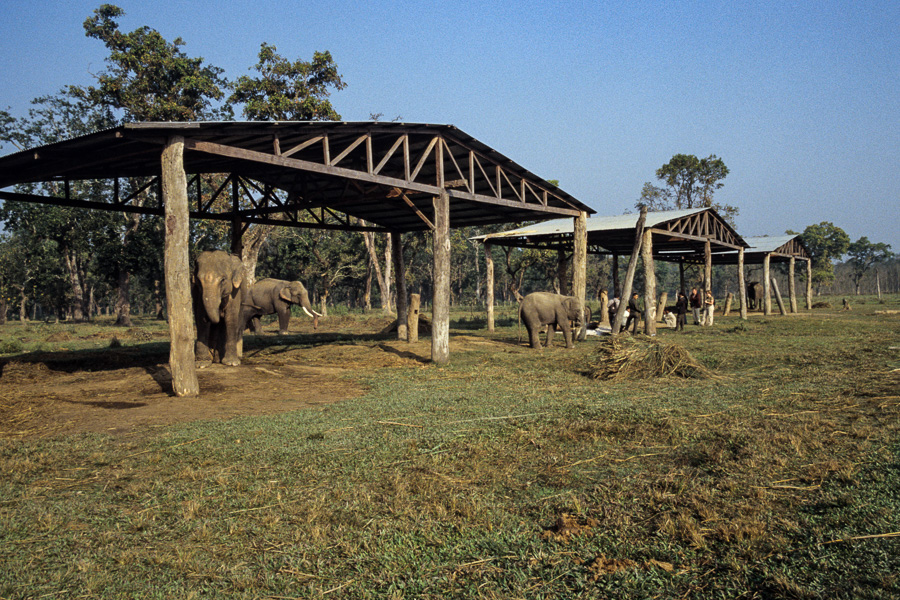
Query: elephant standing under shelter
[
  {"x": 755, "y": 294},
  {"x": 219, "y": 290},
  {"x": 268, "y": 296},
  {"x": 552, "y": 310}
]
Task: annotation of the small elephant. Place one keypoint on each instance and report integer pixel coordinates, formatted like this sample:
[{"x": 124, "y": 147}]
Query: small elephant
[
  {"x": 553, "y": 310},
  {"x": 269, "y": 296},
  {"x": 755, "y": 293},
  {"x": 219, "y": 291}
]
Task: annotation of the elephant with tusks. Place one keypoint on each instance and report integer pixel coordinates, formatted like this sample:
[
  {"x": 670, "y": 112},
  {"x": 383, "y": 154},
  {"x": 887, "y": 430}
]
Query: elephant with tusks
[{"x": 268, "y": 296}]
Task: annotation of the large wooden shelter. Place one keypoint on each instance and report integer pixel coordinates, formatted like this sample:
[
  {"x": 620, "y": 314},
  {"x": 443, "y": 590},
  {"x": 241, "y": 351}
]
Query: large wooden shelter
[
  {"x": 390, "y": 177},
  {"x": 765, "y": 250},
  {"x": 683, "y": 236}
]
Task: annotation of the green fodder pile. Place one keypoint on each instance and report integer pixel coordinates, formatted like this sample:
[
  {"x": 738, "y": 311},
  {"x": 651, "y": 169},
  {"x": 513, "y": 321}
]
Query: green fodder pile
[{"x": 642, "y": 357}]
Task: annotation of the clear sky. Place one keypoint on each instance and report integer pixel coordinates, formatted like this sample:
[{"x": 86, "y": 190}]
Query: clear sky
[{"x": 800, "y": 99}]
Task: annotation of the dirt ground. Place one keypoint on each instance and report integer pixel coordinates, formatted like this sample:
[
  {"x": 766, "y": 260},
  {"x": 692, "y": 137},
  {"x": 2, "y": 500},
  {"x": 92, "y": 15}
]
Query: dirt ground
[{"x": 128, "y": 390}]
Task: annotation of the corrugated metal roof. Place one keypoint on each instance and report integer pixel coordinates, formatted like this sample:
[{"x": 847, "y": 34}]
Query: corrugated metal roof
[{"x": 767, "y": 243}]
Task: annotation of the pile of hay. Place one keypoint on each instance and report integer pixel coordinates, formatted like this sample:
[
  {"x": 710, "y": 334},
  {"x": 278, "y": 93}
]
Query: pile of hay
[{"x": 626, "y": 357}]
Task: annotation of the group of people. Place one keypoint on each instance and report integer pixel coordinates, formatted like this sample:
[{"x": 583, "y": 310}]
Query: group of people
[{"x": 702, "y": 306}]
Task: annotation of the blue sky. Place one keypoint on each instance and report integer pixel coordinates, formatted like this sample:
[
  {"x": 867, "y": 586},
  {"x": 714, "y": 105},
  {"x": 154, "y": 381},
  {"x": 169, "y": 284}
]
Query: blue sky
[{"x": 800, "y": 99}]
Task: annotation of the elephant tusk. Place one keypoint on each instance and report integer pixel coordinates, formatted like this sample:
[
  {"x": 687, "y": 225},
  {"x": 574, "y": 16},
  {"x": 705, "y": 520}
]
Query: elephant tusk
[{"x": 312, "y": 314}]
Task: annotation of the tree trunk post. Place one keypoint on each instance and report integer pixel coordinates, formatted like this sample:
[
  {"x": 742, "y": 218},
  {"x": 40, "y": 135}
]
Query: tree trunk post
[
  {"x": 489, "y": 285},
  {"x": 808, "y": 284},
  {"x": 729, "y": 298},
  {"x": 629, "y": 274},
  {"x": 402, "y": 308},
  {"x": 649, "y": 283},
  {"x": 661, "y": 306},
  {"x": 440, "y": 322},
  {"x": 742, "y": 283},
  {"x": 604, "y": 308},
  {"x": 792, "y": 285},
  {"x": 767, "y": 287},
  {"x": 177, "y": 270},
  {"x": 707, "y": 267},
  {"x": 778, "y": 297},
  {"x": 412, "y": 318},
  {"x": 579, "y": 269}
]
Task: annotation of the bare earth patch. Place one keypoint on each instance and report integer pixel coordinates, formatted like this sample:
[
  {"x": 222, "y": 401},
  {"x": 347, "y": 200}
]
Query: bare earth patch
[{"x": 120, "y": 391}]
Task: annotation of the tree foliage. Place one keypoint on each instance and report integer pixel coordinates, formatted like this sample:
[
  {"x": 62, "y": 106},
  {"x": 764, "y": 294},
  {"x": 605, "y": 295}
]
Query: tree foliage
[
  {"x": 289, "y": 91},
  {"x": 864, "y": 255},
  {"x": 826, "y": 242},
  {"x": 689, "y": 182}
]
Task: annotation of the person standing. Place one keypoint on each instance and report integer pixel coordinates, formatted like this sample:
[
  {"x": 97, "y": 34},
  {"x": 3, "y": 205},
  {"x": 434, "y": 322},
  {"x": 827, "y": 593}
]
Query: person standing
[
  {"x": 709, "y": 306},
  {"x": 696, "y": 304},
  {"x": 634, "y": 313},
  {"x": 681, "y": 308},
  {"x": 612, "y": 307}
]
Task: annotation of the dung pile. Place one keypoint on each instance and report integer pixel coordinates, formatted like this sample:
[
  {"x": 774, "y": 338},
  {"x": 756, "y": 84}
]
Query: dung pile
[{"x": 629, "y": 357}]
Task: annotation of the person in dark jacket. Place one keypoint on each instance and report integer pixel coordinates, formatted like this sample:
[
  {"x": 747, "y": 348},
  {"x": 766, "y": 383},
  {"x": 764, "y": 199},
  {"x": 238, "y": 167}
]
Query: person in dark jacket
[
  {"x": 681, "y": 308},
  {"x": 696, "y": 304},
  {"x": 634, "y": 313}
]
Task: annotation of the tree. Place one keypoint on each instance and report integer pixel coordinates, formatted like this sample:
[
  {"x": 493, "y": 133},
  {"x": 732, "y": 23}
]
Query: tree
[
  {"x": 690, "y": 182},
  {"x": 289, "y": 91},
  {"x": 864, "y": 255},
  {"x": 826, "y": 243},
  {"x": 149, "y": 78}
]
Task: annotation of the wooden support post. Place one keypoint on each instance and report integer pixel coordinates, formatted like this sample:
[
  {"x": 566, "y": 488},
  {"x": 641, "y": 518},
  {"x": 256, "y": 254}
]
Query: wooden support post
[
  {"x": 604, "y": 308},
  {"x": 615, "y": 277},
  {"x": 661, "y": 306},
  {"x": 629, "y": 273},
  {"x": 808, "y": 284},
  {"x": 182, "y": 332},
  {"x": 237, "y": 241},
  {"x": 778, "y": 297},
  {"x": 742, "y": 283},
  {"x": 489, "y": 292},
  {"x": 707, "y": 267},
  {"x": 400, "y": 275},
  {"x": 649, "y": 283},
  {"x": 412, "y": 318},
  {"x": 729, "y": 298},
  {"x": 767, "y": 287},
  {"x": 579, "y": 269},
  {"x": 440, "y": 312},
  {"x": 681, "y": 277},
  {"x": 792, "y": 287}
]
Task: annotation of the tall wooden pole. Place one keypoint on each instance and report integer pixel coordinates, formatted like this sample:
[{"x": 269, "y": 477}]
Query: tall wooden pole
[
  {"x": 397, "y": 255},
  {"x": 440, "y": 314},
  {"x": 681, "y": 276},
  {"x": 767, "y": 287},
  {"x": 707, "y": 267},
  {"x": 489, "y": 292},
  {"x": 177, "y": 270},
  {"x": 808, "y": 284},
  {"x": 742, "y": 283},
  {"x": 649, "y": 283},
  {"x": 237, "y": 241},
  {"x": 629, "y": 274},
  {"x": 579, "y": 268},
  {"x": 792, "y": 286}
]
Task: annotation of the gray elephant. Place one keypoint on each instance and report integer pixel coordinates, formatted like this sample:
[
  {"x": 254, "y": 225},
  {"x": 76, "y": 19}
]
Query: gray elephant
[
  {"x": 552, "y": 310},
  {"x": 219, "y": 291},
  {"x": 269, "y": 296},
  {"x": 755, "y": 293}
]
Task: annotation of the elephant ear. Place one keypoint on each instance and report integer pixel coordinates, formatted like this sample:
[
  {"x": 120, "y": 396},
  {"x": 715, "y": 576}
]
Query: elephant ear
[
  {"x": 285, "y": 294},
  {"x": 237, "y": 272}
]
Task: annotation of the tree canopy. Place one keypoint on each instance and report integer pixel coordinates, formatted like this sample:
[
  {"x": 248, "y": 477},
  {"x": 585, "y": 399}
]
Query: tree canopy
[
  {"x": 864, "y": 255},
  {"x": 689, "y": 182},
  {"x": 826, "y": 242}
]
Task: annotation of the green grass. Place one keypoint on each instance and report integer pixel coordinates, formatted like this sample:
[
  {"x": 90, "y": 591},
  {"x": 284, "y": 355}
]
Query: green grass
[{"x": 447, "y": 482}]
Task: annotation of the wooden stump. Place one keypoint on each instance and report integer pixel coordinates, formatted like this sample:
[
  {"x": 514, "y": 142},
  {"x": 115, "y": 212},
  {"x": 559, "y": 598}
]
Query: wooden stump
[
  {"x": 728, "y": 300},
  {"x": 412, "y": 323}
]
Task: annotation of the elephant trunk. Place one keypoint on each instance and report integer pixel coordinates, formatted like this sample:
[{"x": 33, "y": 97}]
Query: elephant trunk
[{"x": 212, "y": 303}]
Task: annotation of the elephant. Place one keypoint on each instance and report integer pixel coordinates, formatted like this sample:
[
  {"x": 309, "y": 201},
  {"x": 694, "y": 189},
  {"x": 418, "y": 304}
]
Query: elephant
[
  {"x": 553, "y": 310},
  {"x": 755, "y": 295},
  {"x": 269, "y": 296},
  {"x": 219, "y": 291}
]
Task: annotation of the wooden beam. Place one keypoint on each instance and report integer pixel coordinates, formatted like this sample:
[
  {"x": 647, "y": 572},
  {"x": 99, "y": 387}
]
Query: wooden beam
[
  {"x": 649, "y": 283},
  {"x": 177, "y": 271},
  {"x": 742, "y": 284},
  {"x": 579, "y": 269},
  {"x": 792, "y": 285},
  {"x": 489, "y": 281},
  {"x": 440, "y": 315},
  {"x": 767, "y": 287}
]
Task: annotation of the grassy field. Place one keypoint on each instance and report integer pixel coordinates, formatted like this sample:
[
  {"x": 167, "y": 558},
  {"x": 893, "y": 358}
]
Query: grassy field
[{"x": 507, "y": 474}]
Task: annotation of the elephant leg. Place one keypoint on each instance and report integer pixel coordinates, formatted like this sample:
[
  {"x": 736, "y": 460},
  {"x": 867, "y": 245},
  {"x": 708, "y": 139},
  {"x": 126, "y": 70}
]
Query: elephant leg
[
  {"x": 255, "y": 325},
  {"x": 284, "y": 319},
  {"x": 567, "y": 335},
  {"x": 551, "y": 330},
  {"x": 534, "y": 335},
  {"x": 203, "y": 347}
]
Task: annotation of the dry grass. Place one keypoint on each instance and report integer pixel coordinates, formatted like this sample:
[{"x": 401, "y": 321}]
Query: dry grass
[{"x": 641, "y": 357}]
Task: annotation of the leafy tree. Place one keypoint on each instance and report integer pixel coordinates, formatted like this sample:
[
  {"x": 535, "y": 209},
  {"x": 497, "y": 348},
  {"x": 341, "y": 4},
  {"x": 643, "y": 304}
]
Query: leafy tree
[
  {"x": 826, "y": 243},
  {"x": 289, "y": 91},
  {"x": 149, "y": 78},
  {"x": 690, "y": 182},
  {"x": 864, "y": 255}
]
